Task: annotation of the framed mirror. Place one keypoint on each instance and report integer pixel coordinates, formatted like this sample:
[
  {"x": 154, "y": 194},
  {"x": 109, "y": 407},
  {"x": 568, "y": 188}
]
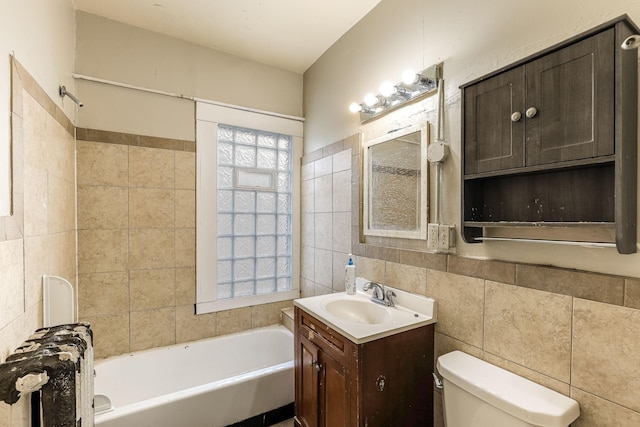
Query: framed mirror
[{"x": 395, "y": 184}]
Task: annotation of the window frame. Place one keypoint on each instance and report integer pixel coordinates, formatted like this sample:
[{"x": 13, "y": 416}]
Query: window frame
[{"x": 208, "y": 116}]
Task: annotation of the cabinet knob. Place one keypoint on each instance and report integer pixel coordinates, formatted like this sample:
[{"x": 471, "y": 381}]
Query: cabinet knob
[
  {"x": 531, "y": 112},
  {"x": 316, "y": 365},
  {"x": 515, "y": 117}
]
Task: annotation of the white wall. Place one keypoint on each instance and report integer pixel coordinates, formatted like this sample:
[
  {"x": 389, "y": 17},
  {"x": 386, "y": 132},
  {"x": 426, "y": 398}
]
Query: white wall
[
  {"x": 115, "y": 51},
  {"x": 41, "y": 35},
  {"x": 471, "y": 39}
]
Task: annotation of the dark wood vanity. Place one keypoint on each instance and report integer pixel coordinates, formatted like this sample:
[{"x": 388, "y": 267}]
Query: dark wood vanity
[{"x": 384, "y": 382}]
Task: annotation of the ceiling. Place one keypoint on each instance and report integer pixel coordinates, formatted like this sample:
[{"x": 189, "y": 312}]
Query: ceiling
[{"x": 288, "y": 34}]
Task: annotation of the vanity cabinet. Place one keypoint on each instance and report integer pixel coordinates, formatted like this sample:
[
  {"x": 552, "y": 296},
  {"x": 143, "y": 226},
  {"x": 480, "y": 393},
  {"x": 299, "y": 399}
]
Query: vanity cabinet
[
  {"x": 383, "y": 382},
  {"x": 551, "y": 140}
]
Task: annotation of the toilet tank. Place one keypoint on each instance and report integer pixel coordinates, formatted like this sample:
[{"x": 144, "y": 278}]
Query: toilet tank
[{"x": 479, "y": 394}]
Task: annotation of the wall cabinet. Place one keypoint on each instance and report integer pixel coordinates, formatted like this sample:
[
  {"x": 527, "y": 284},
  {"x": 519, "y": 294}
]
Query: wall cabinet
[
  {"x": 552, "y": 140},
  {"x": 383, "y": 382}
]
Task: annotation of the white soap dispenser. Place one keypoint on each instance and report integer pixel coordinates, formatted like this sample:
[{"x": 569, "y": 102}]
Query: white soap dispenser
[{"x": 350, "y": 276}]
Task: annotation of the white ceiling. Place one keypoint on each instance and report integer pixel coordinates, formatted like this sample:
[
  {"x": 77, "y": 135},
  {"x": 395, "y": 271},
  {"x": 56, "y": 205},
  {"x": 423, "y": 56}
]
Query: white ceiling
[{"x": 288, "y": 34}]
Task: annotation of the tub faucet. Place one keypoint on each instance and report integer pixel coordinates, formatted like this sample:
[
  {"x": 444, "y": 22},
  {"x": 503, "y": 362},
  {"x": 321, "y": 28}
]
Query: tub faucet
[{"x": 379, "y": 295}]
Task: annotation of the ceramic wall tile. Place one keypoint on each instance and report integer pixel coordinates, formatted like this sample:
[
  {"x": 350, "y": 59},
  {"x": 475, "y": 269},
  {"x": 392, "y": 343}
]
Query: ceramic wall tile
[
  {"x": 307, "y": 230},
  {"x": 529, "y": 327},
  {"x": 12, "y": 267},
  {"x": 370, "y": 269},
  {"x": 598, "y": 412},
  {"x": 103, "y": 293},
  {"x": 151, "y": 248},
  {"x": 103, "y": 207},
  {"x": 341, "y": 229},
  {"x": 151, "y": 208},
  {"x": 190, "y": 327},
  {"x": 111, "y": 334},
  {"x": 236, "y": 320},
  {"x": 61, "y": 203},
  {"x": 102, "y": 251},
  {"x": 323, "y": 230},
  {"x": 102, "y": 164},
  {"x": 503, "y": 272},
  {"x": 151, "y": 168},
  {"x": 307, "y": 196},
  {"x": 606, "y": 352},
  {"x": 341, "y": 198},
  {"x": 342, "y": 161},
  {"x": 323, "y": 264},
  {"x": 185, "y": 209},
  {"x": 307, "y": 263},
  {"x": 265, "y": 314},
  {"x": 36, "y": 214},
  {"x": 407, "y": 278},
  {"x": 185, "y": 285},
  {"x": 153, "y": 328},
  {"x": 323, "y": 167},
  {"x": 185, "y": 246},
  {"x": 460, "y": 305},
  {"x": 185, "y": 170},
  {"x": 632, "y": 293},
  {"x": 152, "y": 288},
  {"x": 596, "y": 287},
  {"x": 323, "y": 194}
]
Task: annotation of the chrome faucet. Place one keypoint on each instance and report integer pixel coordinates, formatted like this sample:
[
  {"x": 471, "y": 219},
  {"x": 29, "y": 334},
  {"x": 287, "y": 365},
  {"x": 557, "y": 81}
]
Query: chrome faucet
[{"x": 379, "y": 295}]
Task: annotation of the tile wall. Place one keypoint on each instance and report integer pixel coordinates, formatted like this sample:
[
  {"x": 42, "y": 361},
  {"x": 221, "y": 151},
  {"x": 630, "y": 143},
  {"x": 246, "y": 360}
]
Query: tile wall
[
  {"x": 136, "y": 245},
  {"x": 39, "y": 238},
  {"x": 573, "y": 331}
]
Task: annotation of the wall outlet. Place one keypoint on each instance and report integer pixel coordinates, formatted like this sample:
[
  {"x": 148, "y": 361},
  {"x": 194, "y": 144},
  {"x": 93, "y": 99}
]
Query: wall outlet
[
  {"x": 433, "y": 236},
  {"x": 446, "y": 237}
]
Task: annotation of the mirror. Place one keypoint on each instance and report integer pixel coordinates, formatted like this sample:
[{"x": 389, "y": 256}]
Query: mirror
[{"x": 395, "y": 184}]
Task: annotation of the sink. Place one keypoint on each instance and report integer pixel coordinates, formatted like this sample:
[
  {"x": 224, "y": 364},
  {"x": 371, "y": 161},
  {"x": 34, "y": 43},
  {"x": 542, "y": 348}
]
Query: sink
[
  {"x": 361, "y": 320},
  {"x": 357, "y": 311}
]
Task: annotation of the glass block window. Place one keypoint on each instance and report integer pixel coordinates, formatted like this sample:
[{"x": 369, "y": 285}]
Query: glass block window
[{"x": 253, "y": 212}]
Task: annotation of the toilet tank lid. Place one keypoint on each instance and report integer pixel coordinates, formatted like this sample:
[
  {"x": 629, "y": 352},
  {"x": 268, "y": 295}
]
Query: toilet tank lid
[{"x": 509, "y": 392}]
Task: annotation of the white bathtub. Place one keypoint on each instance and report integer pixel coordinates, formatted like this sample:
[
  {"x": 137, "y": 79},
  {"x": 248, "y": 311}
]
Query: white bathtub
[{"x": 212, "y": 382}]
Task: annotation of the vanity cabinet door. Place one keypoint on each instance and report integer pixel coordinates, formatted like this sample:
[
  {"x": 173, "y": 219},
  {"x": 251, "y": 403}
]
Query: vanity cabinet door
[
  {"x": 333, "y": 391},
  {"x": 494, "y": 123},
  {"x": 307, "y": 382},
  {"x": 570, "y": 102}
]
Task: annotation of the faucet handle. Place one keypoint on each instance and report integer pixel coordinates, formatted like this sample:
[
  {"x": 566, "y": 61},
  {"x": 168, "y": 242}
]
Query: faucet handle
[{"x": 389, "y": 295}]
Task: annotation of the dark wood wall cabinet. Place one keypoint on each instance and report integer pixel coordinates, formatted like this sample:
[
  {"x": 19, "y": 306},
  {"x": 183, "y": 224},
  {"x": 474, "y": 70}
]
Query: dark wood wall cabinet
[
  {"x": 380, "y": 383},
  {"x": 552, "y": 140}
]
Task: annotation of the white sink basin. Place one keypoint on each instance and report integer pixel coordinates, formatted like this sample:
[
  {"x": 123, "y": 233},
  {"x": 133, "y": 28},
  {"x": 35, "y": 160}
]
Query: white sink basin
[
  {"x": 361, "y": 320},
  {"x": 357, "y": 310}
]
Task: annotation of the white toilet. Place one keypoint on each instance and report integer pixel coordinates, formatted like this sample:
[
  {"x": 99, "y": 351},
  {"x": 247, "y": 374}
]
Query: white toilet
[{"x": 479, "y": 394}]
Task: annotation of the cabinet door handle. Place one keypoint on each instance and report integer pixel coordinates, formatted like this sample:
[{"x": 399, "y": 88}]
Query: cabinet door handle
[
  {"x": 515, "y": 117},
  {"x": 316, "y": 365},
  {"x": 531, "y": 112}
]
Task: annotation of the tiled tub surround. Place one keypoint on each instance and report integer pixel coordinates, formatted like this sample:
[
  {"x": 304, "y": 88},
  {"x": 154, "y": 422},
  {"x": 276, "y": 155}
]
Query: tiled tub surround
[
  {"x": 39, "y": 238},
  {"x": 136, "y": 245},
  {"x": 573, "y": 331}
]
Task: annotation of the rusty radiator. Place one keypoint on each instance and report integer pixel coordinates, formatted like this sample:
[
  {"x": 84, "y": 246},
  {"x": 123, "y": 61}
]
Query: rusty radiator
[{"x": 54, "y": 369}]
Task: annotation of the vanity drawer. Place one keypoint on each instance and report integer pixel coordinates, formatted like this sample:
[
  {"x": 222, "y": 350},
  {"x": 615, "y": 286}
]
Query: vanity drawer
[{"x": 320, "y": 334}]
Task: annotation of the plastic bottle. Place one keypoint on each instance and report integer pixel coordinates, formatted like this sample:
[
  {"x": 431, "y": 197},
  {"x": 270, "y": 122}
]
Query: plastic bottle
[{"x": 350, "y": 276}]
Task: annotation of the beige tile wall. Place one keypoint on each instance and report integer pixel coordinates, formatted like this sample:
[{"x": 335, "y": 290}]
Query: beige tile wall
[
  {"x": 136, "y": 245},
  {"x": 39, "y": 237},
  {"x": 575, "y": 332}
]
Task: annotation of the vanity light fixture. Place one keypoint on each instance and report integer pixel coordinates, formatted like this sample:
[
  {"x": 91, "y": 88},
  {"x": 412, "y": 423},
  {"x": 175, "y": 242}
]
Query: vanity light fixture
[{"x": 412, "y": 87}]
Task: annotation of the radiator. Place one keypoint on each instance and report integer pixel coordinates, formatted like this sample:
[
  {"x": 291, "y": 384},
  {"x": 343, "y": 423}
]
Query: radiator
[{"x": 53, "y": 368}]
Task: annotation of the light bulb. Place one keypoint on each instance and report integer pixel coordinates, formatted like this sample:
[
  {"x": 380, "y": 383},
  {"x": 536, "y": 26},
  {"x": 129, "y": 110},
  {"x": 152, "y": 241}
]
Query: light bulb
[
  {"x": 355, "y": 107},
  {"x": 371, "y": 100},
  {"x": 387, "y": 89},
  {"x": 410, "y": 77}
]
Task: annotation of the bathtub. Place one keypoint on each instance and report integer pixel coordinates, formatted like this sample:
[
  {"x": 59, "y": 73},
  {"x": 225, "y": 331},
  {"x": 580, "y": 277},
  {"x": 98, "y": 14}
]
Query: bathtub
[{"x": 207, "y": 383}]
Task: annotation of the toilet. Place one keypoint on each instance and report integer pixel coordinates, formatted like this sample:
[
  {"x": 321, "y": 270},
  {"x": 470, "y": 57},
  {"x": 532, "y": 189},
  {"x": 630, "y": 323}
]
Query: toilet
[{"x": 479, "y": 394}]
